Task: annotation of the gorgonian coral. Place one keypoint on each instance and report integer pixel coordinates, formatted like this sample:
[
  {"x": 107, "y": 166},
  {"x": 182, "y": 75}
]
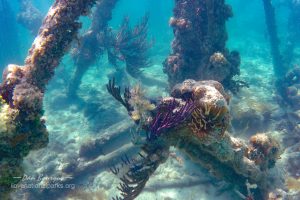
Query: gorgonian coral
[
  {"x": 170, "y": 114},
  {"x": 131, "y": 46},
  {"x": 115, "y": 91}
]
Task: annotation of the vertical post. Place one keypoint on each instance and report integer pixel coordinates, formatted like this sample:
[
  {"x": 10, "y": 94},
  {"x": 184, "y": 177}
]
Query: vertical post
[{"x": 279, "y": 69}]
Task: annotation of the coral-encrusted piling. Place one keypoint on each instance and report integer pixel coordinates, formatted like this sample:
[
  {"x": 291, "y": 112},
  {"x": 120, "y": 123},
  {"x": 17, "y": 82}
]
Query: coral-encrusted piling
[
  {"x": 22, "y": 126},
  {"x": 30, "y": 17},
  {"x": 92, "y": 44},
  {"x": 278, "y": 66},
  {"x": 199, "y": 46},
  {"x": 195, "y": 120}
]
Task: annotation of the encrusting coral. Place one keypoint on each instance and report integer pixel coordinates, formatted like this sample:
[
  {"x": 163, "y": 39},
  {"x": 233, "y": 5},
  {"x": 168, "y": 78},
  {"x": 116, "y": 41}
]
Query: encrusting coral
[
  {"x": 288, "y": 88},
  {"x": 22, "y": 89},
  {"x": 195, "y": 120},
  {"x": 264, "y": 150}
]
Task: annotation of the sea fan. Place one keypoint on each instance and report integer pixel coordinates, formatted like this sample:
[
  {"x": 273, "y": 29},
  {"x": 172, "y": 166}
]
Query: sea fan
[
  {"x": 169, "y": 119},
  {"x": 131, "y": 46}
]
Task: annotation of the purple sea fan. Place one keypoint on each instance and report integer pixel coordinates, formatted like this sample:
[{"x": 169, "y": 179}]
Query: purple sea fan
[{"x": 171, "y": 117}]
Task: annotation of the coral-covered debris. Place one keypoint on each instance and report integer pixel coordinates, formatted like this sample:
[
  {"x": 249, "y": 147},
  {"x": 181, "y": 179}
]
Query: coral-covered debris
[
  {"x": 264, "y": 150},
  {"x": 195, "y": 120}
]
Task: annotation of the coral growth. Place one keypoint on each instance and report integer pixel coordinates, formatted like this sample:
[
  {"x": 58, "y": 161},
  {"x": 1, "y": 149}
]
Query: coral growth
[
  {"x": 264, "y": 150},
  {"x": 289, "y": 88},
  {"x": 211, "y": 110},
  {"x": 199, "y": 50},
  {"x": 141, "y": 106},
  {"x": 7, "y": 117},
  {"x": 115, "y": 91}
]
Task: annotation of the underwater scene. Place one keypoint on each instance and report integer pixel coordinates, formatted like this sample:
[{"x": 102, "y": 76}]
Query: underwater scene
[{"x": 150, "y": 100}]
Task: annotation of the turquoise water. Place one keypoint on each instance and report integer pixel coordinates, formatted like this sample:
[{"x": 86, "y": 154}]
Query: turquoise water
[{"x": 92, "y": 113}]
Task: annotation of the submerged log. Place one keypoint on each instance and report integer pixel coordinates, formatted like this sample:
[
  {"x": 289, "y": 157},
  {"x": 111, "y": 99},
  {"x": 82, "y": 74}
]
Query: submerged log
[{"x": 110, "y": 140}]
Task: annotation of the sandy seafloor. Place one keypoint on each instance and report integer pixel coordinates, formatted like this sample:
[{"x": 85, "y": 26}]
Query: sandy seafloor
[{"x": 71, "y": 123}]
